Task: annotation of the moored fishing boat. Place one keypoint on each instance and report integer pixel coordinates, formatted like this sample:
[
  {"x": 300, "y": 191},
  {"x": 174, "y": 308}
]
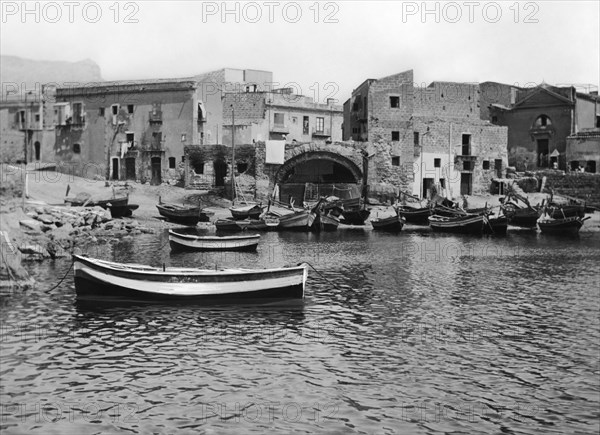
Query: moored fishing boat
[
  {"x": 467, "y": 224},
  {"x": 495, "y": 224},
  {"x": 104, "y": 203},
  {"x": 298, "y": 221},
  {"x": 325, "y": 222},
  {"x": 414, "y": 215},
  {"x": 213, "y": 243},
  {"x": 246, "y": 211},
  {"x": 117, "y": 211},
  {"x": 231, "y": 224},
  {"x": 565, "y": 226},
  {"x": 96, "y": 278},
  {"x": 183, "y": 214},
  {"x": 392, "y": 223}
]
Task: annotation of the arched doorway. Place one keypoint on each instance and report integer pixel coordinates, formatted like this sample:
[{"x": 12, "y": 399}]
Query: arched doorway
[
  {"x": 220, "y": 168},
  {"x": 314, "y": 174},
  {"x": 37, "y": 150}
]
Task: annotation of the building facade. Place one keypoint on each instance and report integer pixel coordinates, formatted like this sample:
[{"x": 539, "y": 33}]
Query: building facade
[
  {"x": 27, "y": 126},
  {"x": 280, "y": 115},
  {"x": 540, "y": 119},
  {"x": 450, "y": 147}
]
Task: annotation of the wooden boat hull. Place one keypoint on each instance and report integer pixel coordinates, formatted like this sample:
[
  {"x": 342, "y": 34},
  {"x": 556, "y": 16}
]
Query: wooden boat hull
[
  {"x": 231, "y": 224},
  {"x": 470, "y": 224},
  {"x": 246, "y": 212},
  {"x": 101, "y": 279},
  {"x": 325, "y": 222},
  {"x": 565, "y": 211},
  {"x": 298, "y": 221},
  {"x": 355, "y": 217},
  {"x": 415, "y": 216},
  {"x": 116, "y": 202},
  {"x": 213, "y": 243},
  {"x": 122, "y": 210},
  {"x": 392, "y": 224},
  {"x": 183, "y": 215},
  {"x": 567, "y": 226},
  {"x": 495, "y": 225}
]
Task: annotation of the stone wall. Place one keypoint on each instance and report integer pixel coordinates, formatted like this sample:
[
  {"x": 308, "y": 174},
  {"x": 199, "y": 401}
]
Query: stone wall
[{"x": 580, "y": 185}]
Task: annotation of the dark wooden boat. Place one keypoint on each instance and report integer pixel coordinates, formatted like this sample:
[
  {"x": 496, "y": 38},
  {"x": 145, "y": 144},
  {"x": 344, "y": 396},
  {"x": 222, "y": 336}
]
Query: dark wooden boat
[
  {"x": 246, "y": 211},
  {"x": 559, "y": 211},
  {"x": 413, "y": 215},
  {"x": 133, "y": 282},
  {"x": 521, "y": 217},
  {"x": 565, "y": 226},
  {"x": 468, "y": 224},
  {"x": 118, "y": 211},
  {"x": 104, "y": 203},
  {"x": 325, "y": 222},
  {"x": 183, "y": 214},
  {"x": 495, "y": 224},
  {"x": 392, "y": 223},
  {"x": 213, "y": 243},
  {"x": 231, "y": 224},
  {"x": 354, "y": 212}
]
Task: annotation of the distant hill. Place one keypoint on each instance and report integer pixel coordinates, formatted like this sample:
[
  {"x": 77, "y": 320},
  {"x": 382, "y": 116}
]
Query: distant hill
[{"x": 15, "y": 69}]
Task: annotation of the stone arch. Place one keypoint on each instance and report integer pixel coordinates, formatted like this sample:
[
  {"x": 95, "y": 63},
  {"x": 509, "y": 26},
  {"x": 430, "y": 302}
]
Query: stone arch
[{"x": 307, "y": 156}]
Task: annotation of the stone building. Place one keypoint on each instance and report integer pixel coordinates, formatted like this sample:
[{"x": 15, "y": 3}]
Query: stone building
[
  {"x": 280, "y": 115},
  {"x": 540, "y": 119},
  {"x": 435, "y": 130},
  {"x": 583, "y": 151},
  {"x": 139, "y": 130},
  {"x": 27, "y": 126}
]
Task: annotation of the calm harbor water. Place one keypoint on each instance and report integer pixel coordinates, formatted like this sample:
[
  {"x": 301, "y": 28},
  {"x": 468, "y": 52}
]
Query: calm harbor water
[{"x": 413, "y": 333}]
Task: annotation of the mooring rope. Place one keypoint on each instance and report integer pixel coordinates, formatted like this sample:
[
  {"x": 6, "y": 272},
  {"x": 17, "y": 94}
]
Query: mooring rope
[
  {"x": 321, "y": 275},
  {"x": 63, "y": 278}
]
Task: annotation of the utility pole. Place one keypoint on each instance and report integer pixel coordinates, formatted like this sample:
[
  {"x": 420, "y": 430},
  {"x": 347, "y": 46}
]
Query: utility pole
[{"x": 232, "y": 155}]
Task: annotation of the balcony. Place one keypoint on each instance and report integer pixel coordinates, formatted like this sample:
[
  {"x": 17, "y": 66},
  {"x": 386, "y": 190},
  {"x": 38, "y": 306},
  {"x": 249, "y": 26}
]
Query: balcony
[
  {"x": 323, "y": 132},
  {"x": 155, "y": 117},
  {"x": 280, "y": 128}
]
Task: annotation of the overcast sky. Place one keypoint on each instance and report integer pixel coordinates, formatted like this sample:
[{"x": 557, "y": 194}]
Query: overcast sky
[{"x": 510, "y": 42}]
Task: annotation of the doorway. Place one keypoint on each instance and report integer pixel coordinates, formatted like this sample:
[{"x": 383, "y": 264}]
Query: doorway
[
  {"x": 37, "y": 150},
  {"x": 155, "y": 163},
  {"x": 220, "y": 168},
  {"x": 465, "y": 184},
  {"x": 427, "y": 183},
  {"x": 542, "y": 153},
  {"x": 130, "y": 168},
  {"x": 115, "y": 169}
]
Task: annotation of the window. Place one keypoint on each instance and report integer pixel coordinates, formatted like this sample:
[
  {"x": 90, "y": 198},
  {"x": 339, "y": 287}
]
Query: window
[
  {"x": 494, "y": 119},
  {"x": 485, "y": 164},
  {"x": 394, "y": 102},
  {"x": 78, "y": 118},
  {"x": 156, "y": 139},
  {"x": 37, "y": 117},
  {"x": 115, "y": 109},
  {"x": 466, "y": 144},
  {"x": 241, "y": 167},
  {"x": 76, "y": 148},
  {"x": 542, "y": 121},
  {"x": 171, "y": 162},
  {"x": 278, "y": 119},
  {"x": 130, "y": 108},
  {"x": 320, "y": 125},
  {"x": 305, "y": 125},
  {"x": 416, "y": 137},
  {"x": 396, "y": 161},
  {"x": 443, "y": 183},
  {"x": 101, "y": 111},
  {"x": 597, "y": 121},
  {"x": 437, "y": 163},
  {"x": 466, "y": 165},
  {"x": 130, "y": 137},
  {"x": 395, "y": 135}
]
